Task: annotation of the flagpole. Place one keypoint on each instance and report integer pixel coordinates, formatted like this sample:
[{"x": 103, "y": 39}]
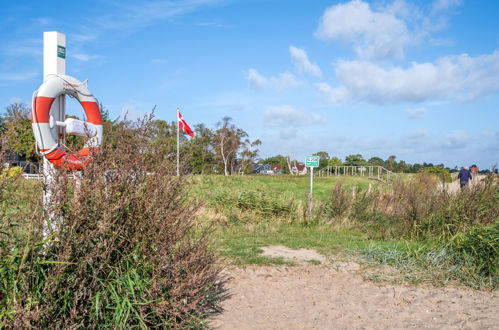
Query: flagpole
[{"x": 178, "y": 145}]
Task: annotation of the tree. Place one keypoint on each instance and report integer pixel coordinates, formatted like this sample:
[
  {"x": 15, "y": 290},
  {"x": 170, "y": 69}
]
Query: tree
[
  {"x": 439, "y": 171},
  {"x": 335, "y": 161},
  {"x": 391, "y": 163},
  {"x": 248, "y": 154},
  {"x": 227, "y": 140},
  {"x": 354, "y": 160},
  {"x": 323, "y": 158},
  {"x": 200, "y": 150},
  {"x": 17, "y": 131},
  {"x": 376, "y": 161}
]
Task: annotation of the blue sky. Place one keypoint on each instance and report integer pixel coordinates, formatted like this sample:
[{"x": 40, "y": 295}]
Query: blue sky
[{"x": 416, "y": 79}]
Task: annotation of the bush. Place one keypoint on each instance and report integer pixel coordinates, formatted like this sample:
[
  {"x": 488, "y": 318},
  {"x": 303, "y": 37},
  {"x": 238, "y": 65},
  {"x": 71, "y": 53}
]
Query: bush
[
  {"x": 122, "y": 250},
  {"x": 12, "y": 172},
  {"x": 478, "y": 249},
  {"x": 419, "y": 209},
  {"x": 440, "y": 172},
  {"x": 338, "y": 203}
]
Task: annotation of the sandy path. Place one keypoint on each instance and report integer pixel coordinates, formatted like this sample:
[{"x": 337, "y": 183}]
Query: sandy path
[
  {"x": 454, "y": 186},
  {"x": 323, "y": 297}
]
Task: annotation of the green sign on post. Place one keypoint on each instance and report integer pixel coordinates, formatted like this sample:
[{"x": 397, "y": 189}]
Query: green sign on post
[{"x": 312, "y": 161}]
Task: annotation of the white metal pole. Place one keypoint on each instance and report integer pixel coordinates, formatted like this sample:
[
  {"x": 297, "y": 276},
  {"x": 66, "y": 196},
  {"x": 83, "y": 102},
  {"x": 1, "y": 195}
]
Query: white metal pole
[
  {"x": 311, "y": 181},
  {"x": 54, "y": 62},
  {"x": 310, "y": 195},
  {"x": 178, "y": 143}
]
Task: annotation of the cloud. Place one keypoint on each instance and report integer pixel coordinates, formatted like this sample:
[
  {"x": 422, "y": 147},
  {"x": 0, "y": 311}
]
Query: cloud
[
  {"x": 416, "y": 112},
  {"x": 441, "y": 5},
  {"x": 286, "y": 116},
  {"x": 18, "y": 76},
  {"x": 43, "y": 21},
  {"x": 302, "y": 63},
  {"x": 281, "y": 82},
  {"x": 85, "y": 57},
  {"x": 455, "y": 140},
  {"x": 372, "y": 34},
  {"x": 128, "y": 18},
  {"x": 333, "y": 95},
  {"x": 459, "y": 78}
]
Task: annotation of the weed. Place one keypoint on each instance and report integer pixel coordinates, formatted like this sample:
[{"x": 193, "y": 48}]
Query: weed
[{"x": 121, "y": 252}]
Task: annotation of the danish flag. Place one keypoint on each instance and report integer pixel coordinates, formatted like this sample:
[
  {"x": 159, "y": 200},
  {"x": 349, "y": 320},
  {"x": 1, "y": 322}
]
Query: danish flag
[{"x": 183, "y": 125}]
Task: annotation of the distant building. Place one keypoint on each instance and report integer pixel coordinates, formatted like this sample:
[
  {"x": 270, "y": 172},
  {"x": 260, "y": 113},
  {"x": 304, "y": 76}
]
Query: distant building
[{"x": 267, "y": 169}]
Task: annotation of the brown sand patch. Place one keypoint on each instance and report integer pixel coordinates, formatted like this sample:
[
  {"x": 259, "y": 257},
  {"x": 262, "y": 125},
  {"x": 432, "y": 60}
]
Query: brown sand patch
[
  {"x": 300, "y": 255},
  {"x": 320, "y": 297}
]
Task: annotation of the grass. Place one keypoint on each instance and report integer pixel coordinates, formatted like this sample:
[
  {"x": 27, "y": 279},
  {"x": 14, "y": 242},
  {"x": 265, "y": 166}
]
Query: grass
[
  {"x": 283, "y": 186},
  {"x": 251, "y": 212},
  {"x": 240, "y": 244}
]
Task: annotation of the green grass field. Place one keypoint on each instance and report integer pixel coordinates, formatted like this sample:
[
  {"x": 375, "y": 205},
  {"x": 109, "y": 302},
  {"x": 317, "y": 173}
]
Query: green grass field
[{"x": 281, "y": 186}]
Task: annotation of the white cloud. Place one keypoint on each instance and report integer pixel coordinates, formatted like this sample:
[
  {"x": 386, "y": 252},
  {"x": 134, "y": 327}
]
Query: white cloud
[
  {"x": 18, "y": 76},
  {"x": 441, "y": 5},
  {"x": 281, "y": 82},
  {"x": 85, "y": 57},
  {"x": 287, "y": 116},
  {"x": 458, "y": 139},
  {"x": 458, "y": 78},
  {"x": 333, "y": 95},
  {"x": 302, "y": 63},
  {"x": 416, "y": 112},
  {"x": 372, "y": 34},
  {"x": 128, "y": 18}
]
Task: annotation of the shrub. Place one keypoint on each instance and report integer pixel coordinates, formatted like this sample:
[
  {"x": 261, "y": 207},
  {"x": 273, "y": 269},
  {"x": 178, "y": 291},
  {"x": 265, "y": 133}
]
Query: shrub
[
  {"x": 419, "y": 209},
  {"x": 122, "y": 250},
  {"x": 12, "y": 172},
  {"x": 440, "y": 172},
  {"x": 479, "y": 249},
  {"x": 338, "y": 203}
]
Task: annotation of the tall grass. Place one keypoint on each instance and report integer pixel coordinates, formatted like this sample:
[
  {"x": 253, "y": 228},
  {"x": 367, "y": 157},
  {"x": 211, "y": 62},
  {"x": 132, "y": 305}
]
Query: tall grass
[{"x": 121, "y": 251}]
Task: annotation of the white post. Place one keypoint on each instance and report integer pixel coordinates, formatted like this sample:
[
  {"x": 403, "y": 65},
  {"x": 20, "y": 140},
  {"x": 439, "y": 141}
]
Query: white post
[
  {"x": 178, "y": 145},
  {"x": 54, "y": 62},
  {"x": 310, "y": 195}
]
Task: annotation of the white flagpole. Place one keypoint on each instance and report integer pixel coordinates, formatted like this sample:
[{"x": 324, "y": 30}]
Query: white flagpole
[{"x": 178, "y": 144}]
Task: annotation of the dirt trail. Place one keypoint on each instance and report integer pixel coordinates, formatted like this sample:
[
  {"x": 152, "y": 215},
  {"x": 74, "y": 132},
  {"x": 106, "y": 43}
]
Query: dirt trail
[
  {"x": 453, "y": 187},
  {"x": 331, "y": 297}
]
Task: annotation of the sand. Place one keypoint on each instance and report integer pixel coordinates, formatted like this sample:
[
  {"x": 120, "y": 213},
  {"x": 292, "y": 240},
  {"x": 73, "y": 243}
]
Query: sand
[{"x": 326, "y": 296}]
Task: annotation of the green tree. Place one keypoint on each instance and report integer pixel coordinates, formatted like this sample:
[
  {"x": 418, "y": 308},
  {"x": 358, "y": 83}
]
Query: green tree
[
  {"x": 200, "y": 150},
  {"x": 227, "y": 140},
  {"x": 391, "y": 163},
  {"x": 17, "y": 131},
  {"x": 335, "y": 161},
  {"x": 354, "y": 160},
  {"x": 247, "y": 155},
  {"x": 323, "y": 158},
  {"x": 442, "y": 173},
  {"x": 376, "y": 161}
]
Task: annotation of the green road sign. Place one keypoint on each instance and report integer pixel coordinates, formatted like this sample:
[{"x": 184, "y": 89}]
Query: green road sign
[
  {"x": 61, "y": 51},
  {"x": 312, "y": 161}
]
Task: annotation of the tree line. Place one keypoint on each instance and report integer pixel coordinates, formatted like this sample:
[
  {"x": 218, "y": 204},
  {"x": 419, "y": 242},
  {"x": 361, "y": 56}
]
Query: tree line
[{"x": 223, "y": 149}]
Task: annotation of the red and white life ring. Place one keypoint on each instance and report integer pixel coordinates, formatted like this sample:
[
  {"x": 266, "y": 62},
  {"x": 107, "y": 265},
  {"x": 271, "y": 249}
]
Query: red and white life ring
[{"x": 54, "y": 86}]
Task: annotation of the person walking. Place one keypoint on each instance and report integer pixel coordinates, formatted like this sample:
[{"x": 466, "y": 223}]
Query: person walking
[{"x": 464, "y": 177}]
